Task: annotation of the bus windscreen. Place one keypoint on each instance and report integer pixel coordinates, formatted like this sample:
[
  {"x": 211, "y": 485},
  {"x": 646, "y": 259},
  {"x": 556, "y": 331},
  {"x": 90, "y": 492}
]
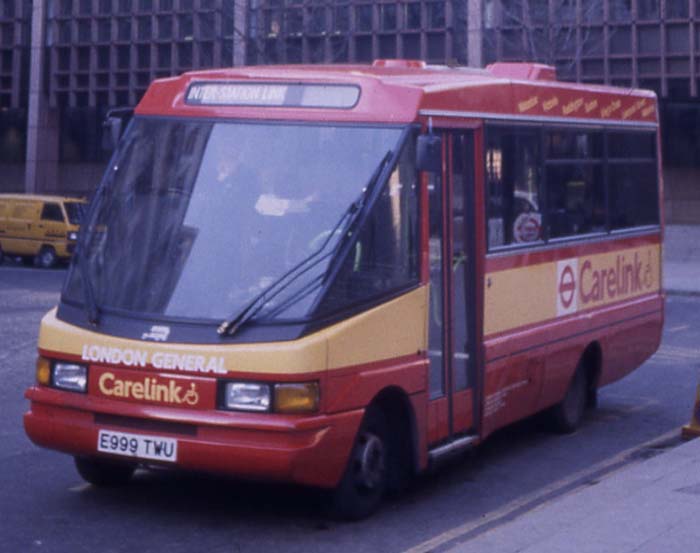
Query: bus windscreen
[{"x": 197, "y": 218}]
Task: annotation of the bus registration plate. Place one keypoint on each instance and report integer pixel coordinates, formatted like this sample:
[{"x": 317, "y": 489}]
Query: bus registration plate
[{"x": 156, "y": 448}]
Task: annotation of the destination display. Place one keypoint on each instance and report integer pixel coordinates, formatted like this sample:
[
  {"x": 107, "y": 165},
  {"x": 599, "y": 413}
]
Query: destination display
[{"x": 293, "y": 95}]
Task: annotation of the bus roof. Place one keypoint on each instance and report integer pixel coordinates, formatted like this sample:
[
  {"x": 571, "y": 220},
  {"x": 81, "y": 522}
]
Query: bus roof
[{"x": 395, "y": 91}]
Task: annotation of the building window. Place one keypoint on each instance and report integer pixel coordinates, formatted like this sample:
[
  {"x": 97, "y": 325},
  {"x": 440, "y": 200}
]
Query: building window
[
  {"x": 388, "y": 16},
  {"x": 648, "y": 9},
  {"x": 363, "y": 17},
  {"x": 649, "y": 40},
  {"x": 620, "y": 40},
  {"x": 620, "y": 10},
  {"x": 317, "y": 20},
  {"x": 677, "y": 9},
  {"x": 435, "y": 12},
  {"x": 412, "y": 16},
  {"x": 341, "y": 19}
]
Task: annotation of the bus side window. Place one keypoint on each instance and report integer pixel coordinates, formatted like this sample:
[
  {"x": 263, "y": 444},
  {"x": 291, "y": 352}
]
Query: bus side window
[
  {"x": 575, "y": 190},
  {"x": 633, "y": 179},
  {"x": 513, "y": 184}
]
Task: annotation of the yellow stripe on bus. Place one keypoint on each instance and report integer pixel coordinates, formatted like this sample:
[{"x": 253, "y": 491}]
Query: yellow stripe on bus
[
  {"x": 393, "y": 329},
  {"x": 527, "y": 295}
]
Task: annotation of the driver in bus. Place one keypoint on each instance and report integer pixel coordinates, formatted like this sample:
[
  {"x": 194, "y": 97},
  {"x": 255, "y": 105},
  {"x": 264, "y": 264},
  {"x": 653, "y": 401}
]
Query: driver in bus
[{"x": 272, "y": 202}]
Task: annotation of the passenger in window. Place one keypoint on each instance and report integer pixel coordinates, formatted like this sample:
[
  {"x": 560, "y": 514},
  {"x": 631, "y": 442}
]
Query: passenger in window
[{"x": 559, "y": 220}]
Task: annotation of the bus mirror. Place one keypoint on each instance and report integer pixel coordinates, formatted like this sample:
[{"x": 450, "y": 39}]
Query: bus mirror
[
  {"x": 112, "y": 130},
  {"x": 429, "y": 153},
  {"x": 113, "y": 125}
]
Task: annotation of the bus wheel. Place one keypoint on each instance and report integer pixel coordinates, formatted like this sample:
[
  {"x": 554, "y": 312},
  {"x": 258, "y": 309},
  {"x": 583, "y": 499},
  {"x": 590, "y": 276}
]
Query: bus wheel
[
  {"x": 104, "y": 473},
  {"x": 568, "y": 414},
  {"x": 47, "y": 257},
  {"x": 364, "y": 483}
]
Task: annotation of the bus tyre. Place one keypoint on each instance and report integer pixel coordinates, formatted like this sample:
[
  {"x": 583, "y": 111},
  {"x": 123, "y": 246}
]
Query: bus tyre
[
  {"x": 104, "y": 473},
  {"x": 47, "y": 257},
  {"x": 568, "y": 414},
  {"x": 364, "y": 483}
]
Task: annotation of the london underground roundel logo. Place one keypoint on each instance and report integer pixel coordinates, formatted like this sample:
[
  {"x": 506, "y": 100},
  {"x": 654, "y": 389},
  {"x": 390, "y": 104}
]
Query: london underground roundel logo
[{"x": 566, "y": 286}]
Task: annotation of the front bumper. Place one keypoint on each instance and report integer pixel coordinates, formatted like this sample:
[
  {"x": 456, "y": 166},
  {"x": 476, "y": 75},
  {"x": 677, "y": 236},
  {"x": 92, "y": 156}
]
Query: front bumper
[{"x": 310, "y": 450}]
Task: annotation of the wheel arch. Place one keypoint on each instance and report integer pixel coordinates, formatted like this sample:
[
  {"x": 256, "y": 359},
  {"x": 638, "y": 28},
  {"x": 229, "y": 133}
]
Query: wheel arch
[{"x": 396, "y": 406}]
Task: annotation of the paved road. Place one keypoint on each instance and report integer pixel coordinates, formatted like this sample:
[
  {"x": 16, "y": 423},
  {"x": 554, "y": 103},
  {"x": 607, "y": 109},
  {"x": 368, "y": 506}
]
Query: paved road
[{"x": 44, "y": 506}]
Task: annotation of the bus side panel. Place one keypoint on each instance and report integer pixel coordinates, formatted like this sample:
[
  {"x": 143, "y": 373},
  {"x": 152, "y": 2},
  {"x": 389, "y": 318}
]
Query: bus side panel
[
  {"x": 512, "y": 387},
  {"x": 529, "y": 369},
  {"x": 627, "y": 336},
  {"x": 438, "y": 420},
  {"x": 561, "y": 361},
  {"x": 355, "y": 387},
  {"x": 629, "y": 345}
]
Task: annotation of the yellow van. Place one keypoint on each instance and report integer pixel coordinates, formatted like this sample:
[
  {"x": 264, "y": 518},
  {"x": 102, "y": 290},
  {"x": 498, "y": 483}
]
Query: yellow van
[{"x": 39, "y": 229}]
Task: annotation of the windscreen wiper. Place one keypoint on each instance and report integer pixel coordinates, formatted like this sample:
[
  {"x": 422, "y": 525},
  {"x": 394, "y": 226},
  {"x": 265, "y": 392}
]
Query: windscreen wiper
[{"x": 345, "y": 226}]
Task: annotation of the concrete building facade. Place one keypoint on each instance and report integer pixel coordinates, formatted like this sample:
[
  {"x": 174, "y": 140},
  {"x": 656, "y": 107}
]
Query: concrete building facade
[
  {"x": 64, "y": 63},
  {"x": 15, "y": 36}
]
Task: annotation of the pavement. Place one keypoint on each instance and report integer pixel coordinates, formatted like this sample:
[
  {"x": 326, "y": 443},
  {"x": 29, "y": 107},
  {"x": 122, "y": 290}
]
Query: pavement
[{"x": 648, "y": 506}]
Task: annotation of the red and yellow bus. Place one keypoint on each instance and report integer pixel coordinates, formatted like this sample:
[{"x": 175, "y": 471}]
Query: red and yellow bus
[{"x": 340, "y": 275}]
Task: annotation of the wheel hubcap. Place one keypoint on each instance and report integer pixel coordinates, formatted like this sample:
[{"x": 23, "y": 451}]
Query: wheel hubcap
[{"x": 369, "y": 461}]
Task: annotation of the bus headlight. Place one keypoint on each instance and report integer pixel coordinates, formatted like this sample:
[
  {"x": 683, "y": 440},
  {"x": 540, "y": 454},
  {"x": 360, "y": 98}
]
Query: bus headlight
[
  {"x": 247, "y": 396},
  {"x": 70, "y": 376},
  {"x": 296, "y": 397},
  {"x": 72, "y": 235},
  {"x": 286, "y": 397}
]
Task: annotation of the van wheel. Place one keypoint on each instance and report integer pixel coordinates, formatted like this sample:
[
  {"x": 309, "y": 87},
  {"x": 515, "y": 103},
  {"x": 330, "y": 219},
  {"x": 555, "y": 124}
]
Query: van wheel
[
  {"x": 364, "y": 483},
  {"x": 47, "y": 257},
  {"x": 104, "y": 473},
  {"x": 568, "y": 414}
]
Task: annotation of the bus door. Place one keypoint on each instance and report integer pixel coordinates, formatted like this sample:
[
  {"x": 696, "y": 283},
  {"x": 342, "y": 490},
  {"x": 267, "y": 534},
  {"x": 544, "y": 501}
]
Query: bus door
[{"x": 452, "y": 312}]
